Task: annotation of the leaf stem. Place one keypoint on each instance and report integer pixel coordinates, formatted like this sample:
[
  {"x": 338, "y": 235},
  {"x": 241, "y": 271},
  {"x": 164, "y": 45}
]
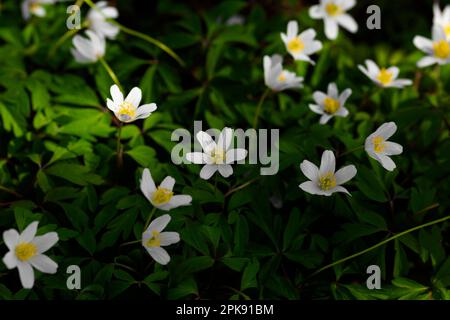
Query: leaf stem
[
  {"x": 111, "y": 73},
  {"x": 350, "y": 151},
  {"x": 380, "y": 244},
  {"x": 258, "y": 108}
]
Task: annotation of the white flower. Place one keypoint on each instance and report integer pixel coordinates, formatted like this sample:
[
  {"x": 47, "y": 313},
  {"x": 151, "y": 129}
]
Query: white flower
[
  {"x": 26, "y": 252},
  {"x": 162, "y": 196},
  {"x": 278, "y": 79},
  {"x": 380, "y": 149},
  {"x": 235, "y": 20},
  {"x": 333, "y": 12},
  {"x": 330, "y": 104},
  {"x": 325, "y": 181},
  {"x": 153, "y": 239},
  {"x": 302, "y": 45},
  {"x": 96, "y": 19},
  {"x": 437, "y": 49},
  {"x": 88, "y": 50},
  {"x": 128, "y": 110},
  {"x": 216, "y": 156},
  {"x": 34, "y": 7},
  {"x": 386, "y": 78},
  {"x": 442, "y": 18}
]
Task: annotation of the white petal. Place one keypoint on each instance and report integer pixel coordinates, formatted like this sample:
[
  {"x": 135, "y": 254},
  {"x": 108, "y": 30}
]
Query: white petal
[
  {"x": 116, "y": 94},
  {"x": 234, "y": 155},
  {"x": 342, "y": 112},
  {"x": 392, "y": 148},
  {"x": 372, "y": 68},
  {"x": 44, "y": 264},
  {"x": 159, "y": 254},
  {"x": 400, "y": 83},
  {"x": 207, "y": 171},
  {"x": 147, "y": 184},
  {"x": 327, "y": 163},
  {"x": 332, "y": 90},
  {"x": 26, "y": 275},
  {"x": 292, "y": 28},
  {"x": 225, "y": 138},
  {"x": 426, "y": 61},
  {"x": 387, "y": 162},
  {"x": 331, "y": 28},
  {"x": 158, "y": 224},
  {"x": 395, "y": 71},
  {"x": 345, "y": 174},
  {"x": 348, "y": 4},
  {"x": 11, "y": 238},
  {"x": 225, "y": 170},
  {"x": 347, "y": 22},
  {"x": 168, "y": 238},
  {"x": 315, "y": 108},
  {"x": 46, "y": 241},
  {"x": 310, "y": 187},
  {"x": 340, "y": 189},
  {"x": 310, "y": 170},
  {"x": 316, "y": 12},
  {"x": 325, "y": 118},
  {"x": 319, "y": 97},
  {"x": 344, "y": 96},
  {"x": 177, "y": 201},
  {"x": 386, "y": 130},
  {"x": 423, "y": 44},
  {"x": 111, "y": 105},
  {"x": 168, "y": 183},
  {"x": 134, "y": 97},
  {"x": 145, "y": 110},
  {"x": 10, "y": 260},
  {"x": 196, "y": 157},
  {"x": 28, "y": 234},
  {"x": 206, "y": 142}
]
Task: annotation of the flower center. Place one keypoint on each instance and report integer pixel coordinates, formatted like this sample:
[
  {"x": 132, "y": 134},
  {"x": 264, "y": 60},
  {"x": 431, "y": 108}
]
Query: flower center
[
  {"x": 218, "y": 155},
  {"x": 447, "y": 30},
  {"x": 127, "y": 111},
  {"x": 385, "y": 77},
  {"x": 162, "y": 195},
  {"x": 327, "y": 181},
  {"x": 34, "y": 7},
  {"x": 378, "y": 144},
  {"x": 333, "y": 9},
  {"x": 155, "y": 240},
  {"x": 282, "y": 77},
  {"x": 25, "y": 251},
  {"x": 441, "y": 49},
  {"x": 331, "y": 105},
  {"x": 296, "y": 45}
]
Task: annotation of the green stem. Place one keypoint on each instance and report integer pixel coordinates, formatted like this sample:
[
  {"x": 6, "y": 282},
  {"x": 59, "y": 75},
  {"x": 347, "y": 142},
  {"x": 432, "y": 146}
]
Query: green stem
[
  {"x": 111, "y": 73},
  {"x": 379, "y": 244},
  {"x": 130, "y": 242},
  {"x": 141, "y": 35},
  {"x": 119, "y": 148},
  {"x": 147, "y": 223},
  {"x": 350, "y": 151},
  {"x": 61, "y": 40},
  {"x": 258, "y": 108}
]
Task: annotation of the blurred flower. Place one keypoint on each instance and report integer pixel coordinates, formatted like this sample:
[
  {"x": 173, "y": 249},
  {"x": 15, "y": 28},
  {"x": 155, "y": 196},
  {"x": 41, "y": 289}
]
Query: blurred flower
[
  {"x": 216, "y": 156},
  {"x": 386, "y": 78},
  {"x": 26, "y": 252},
  {"x": 437, "y": 49},
  {"x": 325, "y": 181},
  {"x": 128, "y": 110},
  {"x": 278, "y": 79},
  {"x": 302, "y": 45},
  {"x": 380, "y": 149},
  {"x": 34, "y": 7},
  {"x": 96, "y": 20},
  {"x": 153, "y": 239},
  {"x": 330, "y": 104},
  {"x": 442, "y": 18},
  {"x": 234, "y": 20},
  {"x": 88, "y": 50},
  {"x": 162, "y": 196},
  {"x": 333, "y": 12}
]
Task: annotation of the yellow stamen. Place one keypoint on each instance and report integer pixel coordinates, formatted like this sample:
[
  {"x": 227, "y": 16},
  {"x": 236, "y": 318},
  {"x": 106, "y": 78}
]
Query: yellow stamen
[
  {"x": 441, "y": 49},
  {"x": 25, "y": 251},
  {"x": 327, "y": 181},
  {"x": 333, "y": 9},
  {"x": 447, "y": 30},
  {"x": 296, "y": 45},
  {"x": 34, "y": 6},
  {"x": 162, "y": 196},
  {"x": 127, "y": 111},
  {"x": 218, "y": 156},
  {"x": 331, "y": 105},
  {"x": 378, "y": 144},
  {"x": 155, "y": 240},
  {"x": 282, "y": 77},
  {"x": 385, "y": 77}
]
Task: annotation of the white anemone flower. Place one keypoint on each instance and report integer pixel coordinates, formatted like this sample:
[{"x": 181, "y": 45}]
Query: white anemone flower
[
  {"x": 334, "y": 14},
  {"x": 128, "y": 110},
  {"x": 26, "y": 252},
  {"x": 302, "y": 45},
  {"x": 34, "y": 7},
  {"x": 330, "y": 104},
  {"x": 96, "y": 20},
  {"x": 437, "y": 49},
  {"x": 162, "y": 197},
  {"x": 385, "y": 78},
  {"x": 88, "y": 50},
  {"x": 380, "y": 149},
  {"x": 325, "y": 181},
  {"x": 153, "y": 239},
  {"x": 442, "y": 18},
  {"x": 278, "y": 79},
  {"x": 216, "y": 156}
]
